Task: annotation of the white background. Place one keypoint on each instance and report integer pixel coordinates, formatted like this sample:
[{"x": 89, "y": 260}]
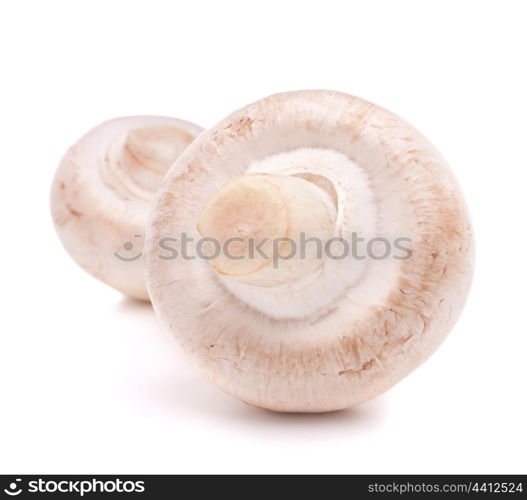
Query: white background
[{"x": 89, "y": 380}]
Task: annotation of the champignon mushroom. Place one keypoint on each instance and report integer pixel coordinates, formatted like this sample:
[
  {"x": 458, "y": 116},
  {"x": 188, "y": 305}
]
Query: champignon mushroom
[
  {"x": 311, "y": 333},
  {"x": 103, "y": 189}
]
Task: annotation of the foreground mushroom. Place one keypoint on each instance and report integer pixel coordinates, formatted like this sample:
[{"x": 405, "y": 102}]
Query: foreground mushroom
[
  {"x": 310, "y": 332},
  {"x": 103, "y": 189}
]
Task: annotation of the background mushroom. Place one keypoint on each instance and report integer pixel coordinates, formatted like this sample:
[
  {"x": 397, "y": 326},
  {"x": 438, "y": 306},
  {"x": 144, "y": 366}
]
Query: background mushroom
[
  {"x": 103, "y": 190},
  {"x": 311, "y": 334}
]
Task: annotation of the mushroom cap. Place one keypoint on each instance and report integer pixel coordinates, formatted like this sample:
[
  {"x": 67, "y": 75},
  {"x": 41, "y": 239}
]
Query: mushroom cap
[
  {"x": 364, "y": 334},
  {"x": 102, "y": 193}
]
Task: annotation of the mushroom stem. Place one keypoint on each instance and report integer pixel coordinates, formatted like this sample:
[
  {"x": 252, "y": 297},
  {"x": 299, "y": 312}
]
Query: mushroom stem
[
  {"x": 138, "y": 158},
  {"x": 260, "y": 221}
]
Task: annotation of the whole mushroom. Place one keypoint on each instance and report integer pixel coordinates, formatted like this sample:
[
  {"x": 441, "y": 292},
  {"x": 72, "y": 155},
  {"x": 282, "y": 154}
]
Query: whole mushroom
[
  {"x": 310, "y": 333},
  {"x": 103, "y": 189}
]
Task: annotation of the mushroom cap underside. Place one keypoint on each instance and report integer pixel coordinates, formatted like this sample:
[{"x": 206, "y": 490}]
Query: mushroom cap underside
[
  {"x": 361, "y": 333},
  {"x": 103, "y": 189}
]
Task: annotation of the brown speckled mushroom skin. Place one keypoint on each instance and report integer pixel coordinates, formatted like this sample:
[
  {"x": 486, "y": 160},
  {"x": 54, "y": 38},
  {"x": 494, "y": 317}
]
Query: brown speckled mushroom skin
[{"x": 377, "y": 331}]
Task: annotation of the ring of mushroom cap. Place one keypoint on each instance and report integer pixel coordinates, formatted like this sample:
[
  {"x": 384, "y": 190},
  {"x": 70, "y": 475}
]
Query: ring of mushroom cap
[
  {"x": 311, "y": 335},
  {"x": 103, "y": 189}
]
